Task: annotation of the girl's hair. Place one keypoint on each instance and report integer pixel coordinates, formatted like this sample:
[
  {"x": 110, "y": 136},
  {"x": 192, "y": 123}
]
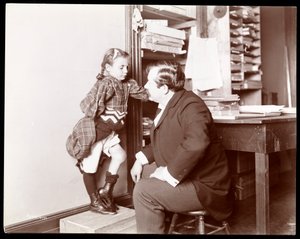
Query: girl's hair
[
  {"x": 169, "y": 73},
  {"x": 109, "y": 57}
]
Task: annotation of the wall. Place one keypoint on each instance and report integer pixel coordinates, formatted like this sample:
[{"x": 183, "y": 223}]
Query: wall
[
  {"x": 219, "y": 28},
  {"x": 274, "y": 30},
  {"x": 53, "y": 55}
]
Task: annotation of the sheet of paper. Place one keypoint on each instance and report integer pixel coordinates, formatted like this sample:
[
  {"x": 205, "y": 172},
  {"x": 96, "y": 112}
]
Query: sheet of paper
[
  {"x": 202, "y": 64},
  {"x": 260, "y": 108}
]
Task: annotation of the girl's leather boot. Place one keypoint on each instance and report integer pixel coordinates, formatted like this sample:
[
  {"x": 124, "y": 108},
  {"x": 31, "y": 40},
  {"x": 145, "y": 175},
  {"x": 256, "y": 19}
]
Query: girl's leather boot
[
  {"x": 98, "y": 206},
  {"x": 106, "y": 192}
]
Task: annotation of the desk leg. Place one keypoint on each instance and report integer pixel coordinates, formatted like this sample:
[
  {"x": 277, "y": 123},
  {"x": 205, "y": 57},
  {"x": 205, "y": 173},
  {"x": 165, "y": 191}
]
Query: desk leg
[{"x": 262, "y": 193}]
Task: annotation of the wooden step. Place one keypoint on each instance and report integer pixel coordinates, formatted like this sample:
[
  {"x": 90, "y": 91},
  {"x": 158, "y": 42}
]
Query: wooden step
[{"x": 92, "y": 222}]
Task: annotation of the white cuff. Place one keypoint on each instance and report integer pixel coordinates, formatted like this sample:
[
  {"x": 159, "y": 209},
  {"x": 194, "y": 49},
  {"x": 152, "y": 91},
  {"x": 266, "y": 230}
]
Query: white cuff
[
  {"x": 169, "y": 178},
  {"x": 140, "y": 156}
]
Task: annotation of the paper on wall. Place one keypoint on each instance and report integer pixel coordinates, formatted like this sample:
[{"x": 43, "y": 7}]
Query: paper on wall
[{"x": 202, "y": 64}]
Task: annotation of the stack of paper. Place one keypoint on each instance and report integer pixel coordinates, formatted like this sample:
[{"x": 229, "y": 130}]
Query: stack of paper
[
  {"x": 261, "y": 109},
  {"x": 253, "y": 111},
  {"x": 159, "y": 37},
  {"x": 221, "y": 105}
]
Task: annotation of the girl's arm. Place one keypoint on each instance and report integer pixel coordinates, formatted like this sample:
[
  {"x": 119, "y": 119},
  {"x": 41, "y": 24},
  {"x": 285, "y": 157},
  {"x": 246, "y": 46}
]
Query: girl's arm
[{"x": 136, "y": 91}]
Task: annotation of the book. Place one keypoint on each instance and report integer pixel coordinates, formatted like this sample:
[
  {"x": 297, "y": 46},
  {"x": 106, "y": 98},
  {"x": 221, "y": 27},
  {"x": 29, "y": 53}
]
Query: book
[
  {"x": 235, "y": 41},
  {"x": 261, "y": 109},
  {"x": 166, "y": 31},
  {"x": 221, "y": 98},
  {"x": 161, "y": 40},
  {"x": 235, "y": 32},
  {"x": 160, "y": 22},
  {"x": 246, "y": 116},
  {"x": 237, "y": 76},
  {"x": 236, "y": 57},
  {"x": 162, "y": 48},
  {"x": 235, "y": 23}
]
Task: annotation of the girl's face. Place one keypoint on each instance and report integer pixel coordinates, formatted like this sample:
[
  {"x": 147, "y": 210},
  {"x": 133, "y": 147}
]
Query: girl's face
[{"x": 119, "y": 68}]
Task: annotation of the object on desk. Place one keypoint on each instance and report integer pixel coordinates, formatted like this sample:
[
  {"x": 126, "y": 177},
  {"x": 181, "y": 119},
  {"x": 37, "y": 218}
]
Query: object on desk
[
  {"x": 261, "y": 109},
  {"x": 245, "y": 115},
  {"x": 222, "y": 105},
  {"x": 289, "y": 110}
]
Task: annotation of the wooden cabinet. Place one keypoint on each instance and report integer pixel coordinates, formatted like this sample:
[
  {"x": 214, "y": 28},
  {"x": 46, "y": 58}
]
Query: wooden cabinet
[
  {"x": 237, "y": 32},
  {"x": 245, "y": 56},
  {"x": 169, "y": 26},
  {"x": 170, "y": 12},
  {"x": 180, "y": 17}
]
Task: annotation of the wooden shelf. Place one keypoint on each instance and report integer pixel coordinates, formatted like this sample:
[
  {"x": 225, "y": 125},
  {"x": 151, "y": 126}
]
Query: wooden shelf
[
  {"x": 246, "y": 51},
  {"x": 182, "y": 18},
  {"x": 170, "y": 12},
  {"x": 150, "y": 55}
]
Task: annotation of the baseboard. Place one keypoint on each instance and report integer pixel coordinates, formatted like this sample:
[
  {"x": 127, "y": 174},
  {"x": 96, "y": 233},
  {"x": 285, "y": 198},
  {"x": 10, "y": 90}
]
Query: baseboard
[{"x": 50, "y": 223}]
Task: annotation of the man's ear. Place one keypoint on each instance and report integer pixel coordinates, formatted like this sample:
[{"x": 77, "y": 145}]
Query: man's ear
[{"x": 165, "y": 89}]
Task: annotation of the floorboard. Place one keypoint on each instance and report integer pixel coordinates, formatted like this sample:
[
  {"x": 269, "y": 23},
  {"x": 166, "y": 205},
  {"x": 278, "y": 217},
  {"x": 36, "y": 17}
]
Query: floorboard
[{"x": 282, "y": 210}]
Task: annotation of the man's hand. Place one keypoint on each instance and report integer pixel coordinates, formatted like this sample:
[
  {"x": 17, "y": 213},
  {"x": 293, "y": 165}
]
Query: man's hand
[{"x": 136, "y": 171}]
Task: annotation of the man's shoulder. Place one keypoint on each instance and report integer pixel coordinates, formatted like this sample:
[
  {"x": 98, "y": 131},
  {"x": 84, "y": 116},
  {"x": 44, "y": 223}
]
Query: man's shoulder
[{"x": 191, "y": 96}]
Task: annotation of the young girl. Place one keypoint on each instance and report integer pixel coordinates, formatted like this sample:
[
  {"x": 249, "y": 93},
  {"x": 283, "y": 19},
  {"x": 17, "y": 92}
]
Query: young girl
[{"x": 105, "y": 108}]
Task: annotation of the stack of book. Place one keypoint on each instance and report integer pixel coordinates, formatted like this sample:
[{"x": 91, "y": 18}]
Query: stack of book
[
  {"x": 157, "y": 36},
  {"x": 246, "y": 84},
  {"x": 222, "y": 105}
]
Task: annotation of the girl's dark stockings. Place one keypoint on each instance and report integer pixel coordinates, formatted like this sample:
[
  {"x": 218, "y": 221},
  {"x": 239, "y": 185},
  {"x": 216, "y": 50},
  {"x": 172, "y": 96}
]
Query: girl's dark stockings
[{"x": 89, "y": 180}]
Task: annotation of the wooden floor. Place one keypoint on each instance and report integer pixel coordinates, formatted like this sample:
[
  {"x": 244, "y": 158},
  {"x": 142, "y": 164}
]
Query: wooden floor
[{"x": 282, "y": 210}]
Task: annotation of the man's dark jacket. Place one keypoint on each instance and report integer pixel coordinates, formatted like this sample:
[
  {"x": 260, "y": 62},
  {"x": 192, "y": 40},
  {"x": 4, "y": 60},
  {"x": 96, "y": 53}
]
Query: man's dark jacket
[{"x": 185, "y": 141}]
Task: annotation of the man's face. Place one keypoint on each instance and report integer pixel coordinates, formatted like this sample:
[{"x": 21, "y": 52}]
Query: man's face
[{"x": 155, "y": 94}]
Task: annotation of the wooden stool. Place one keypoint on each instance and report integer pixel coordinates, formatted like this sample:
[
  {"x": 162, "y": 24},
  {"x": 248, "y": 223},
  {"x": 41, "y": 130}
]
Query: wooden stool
[{"x": 200, "y": 226}]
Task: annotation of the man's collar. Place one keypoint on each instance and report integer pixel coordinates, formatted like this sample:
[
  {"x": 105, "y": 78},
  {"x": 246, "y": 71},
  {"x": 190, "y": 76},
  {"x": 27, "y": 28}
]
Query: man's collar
[{"x": 166, "y": 100}]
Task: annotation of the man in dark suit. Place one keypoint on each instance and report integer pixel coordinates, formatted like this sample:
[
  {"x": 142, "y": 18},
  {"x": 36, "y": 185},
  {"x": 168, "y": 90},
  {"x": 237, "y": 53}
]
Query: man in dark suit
[{"x": 191, "y": 166}]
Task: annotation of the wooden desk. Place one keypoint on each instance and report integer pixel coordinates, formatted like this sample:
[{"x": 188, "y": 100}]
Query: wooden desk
[{"x": 260, "y": 136}]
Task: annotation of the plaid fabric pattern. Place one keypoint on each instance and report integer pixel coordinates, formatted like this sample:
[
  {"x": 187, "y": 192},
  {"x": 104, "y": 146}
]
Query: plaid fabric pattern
[
  {"x": 106, "y": 96},
  {"x": 110, "y": 93},
  {"x": 82, "y": 138}
]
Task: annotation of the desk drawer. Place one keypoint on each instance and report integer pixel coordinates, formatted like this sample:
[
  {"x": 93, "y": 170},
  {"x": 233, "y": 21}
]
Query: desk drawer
[
  {"x": 245, "y": 183},
  {"x": 242, "y": 162}
]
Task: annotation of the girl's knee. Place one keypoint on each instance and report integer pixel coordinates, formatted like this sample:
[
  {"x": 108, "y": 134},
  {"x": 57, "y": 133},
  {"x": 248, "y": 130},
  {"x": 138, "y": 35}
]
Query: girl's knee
[
  {"x": 119, "y": 155},
  {"x": 123, "y": 155}
]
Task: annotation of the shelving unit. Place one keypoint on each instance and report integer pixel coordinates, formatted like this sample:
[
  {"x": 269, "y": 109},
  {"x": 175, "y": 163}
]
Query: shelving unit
[
  {"x": 181, "y": 18},
  {"x": 245, "y": 43}
]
